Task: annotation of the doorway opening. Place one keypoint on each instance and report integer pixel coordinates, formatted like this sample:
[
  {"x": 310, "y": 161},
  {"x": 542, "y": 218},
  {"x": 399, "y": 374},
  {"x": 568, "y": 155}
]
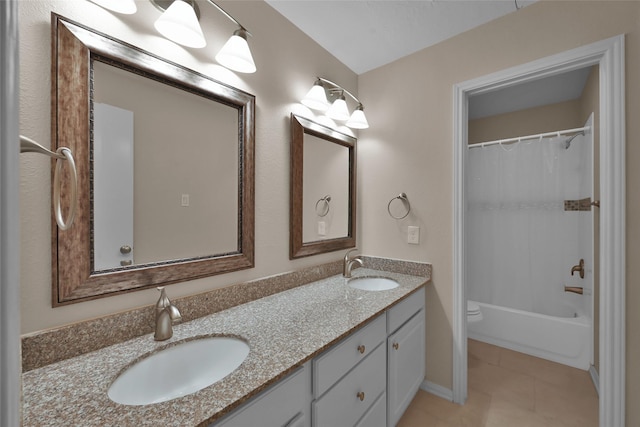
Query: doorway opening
[{"x": 609, "y": 56}]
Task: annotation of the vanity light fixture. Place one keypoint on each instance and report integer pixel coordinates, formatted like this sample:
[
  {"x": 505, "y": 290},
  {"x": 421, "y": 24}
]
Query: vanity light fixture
[
  {"x": 358, "y": 120},
  {"x": 339, "y": 110},
  {"x": 235, "y": 54},
  {"x": 179, "y": 23},
  {"x": 316, "y": 99},
  {"x": 127, "y": 7}
]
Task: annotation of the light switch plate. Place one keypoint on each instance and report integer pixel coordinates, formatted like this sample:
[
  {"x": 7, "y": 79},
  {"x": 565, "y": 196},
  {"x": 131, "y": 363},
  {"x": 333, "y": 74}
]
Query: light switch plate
[
  {"x": 413, "y": 235},
  {"x": 322, "y": 228}
]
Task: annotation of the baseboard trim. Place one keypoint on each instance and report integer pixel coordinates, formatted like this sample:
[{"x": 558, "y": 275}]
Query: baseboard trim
[
  {"x": 595, "y": 377},
  {"x": 437, "y": 390}
]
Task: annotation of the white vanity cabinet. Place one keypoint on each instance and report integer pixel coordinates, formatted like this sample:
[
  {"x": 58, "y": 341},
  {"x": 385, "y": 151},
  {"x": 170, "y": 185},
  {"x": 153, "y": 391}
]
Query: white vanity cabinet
[
  {"x": 285, "y": 404},
  {"x": 366, "y": 380},
  {"x": 405, "y": 355}
]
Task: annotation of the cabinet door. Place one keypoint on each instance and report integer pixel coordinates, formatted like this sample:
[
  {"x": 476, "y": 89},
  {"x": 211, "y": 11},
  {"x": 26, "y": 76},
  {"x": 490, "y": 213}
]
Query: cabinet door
[
  {"x": 406, "y": 357},
  {"x": 285, "y": 404}
]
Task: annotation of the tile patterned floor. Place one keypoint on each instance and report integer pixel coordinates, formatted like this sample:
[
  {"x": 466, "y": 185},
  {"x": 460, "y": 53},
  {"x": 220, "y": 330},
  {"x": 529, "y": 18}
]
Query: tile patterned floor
[{"x": 511, "y": 389}]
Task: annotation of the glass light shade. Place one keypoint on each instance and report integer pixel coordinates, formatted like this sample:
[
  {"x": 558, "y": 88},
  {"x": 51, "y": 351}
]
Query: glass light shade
[
  {"x": 127, "y": 7},
  {"x": 358, "y": 120},
  {"x": 235, "y": 54},
  {"x": 339, "y": 110},
  {"x": 316, "y": 98},
  {"x": 179, "y": 23}
]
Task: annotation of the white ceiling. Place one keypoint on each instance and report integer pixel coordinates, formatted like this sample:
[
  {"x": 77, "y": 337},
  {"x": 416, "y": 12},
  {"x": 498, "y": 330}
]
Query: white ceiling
[
  {"x": 365, "y": 34},
  {"x": 550, "y": 90}
]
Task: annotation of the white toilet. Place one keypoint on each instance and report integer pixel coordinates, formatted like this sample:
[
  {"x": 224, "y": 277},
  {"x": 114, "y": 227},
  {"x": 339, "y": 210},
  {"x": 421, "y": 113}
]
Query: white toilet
[{"x": 473, "y": 312}]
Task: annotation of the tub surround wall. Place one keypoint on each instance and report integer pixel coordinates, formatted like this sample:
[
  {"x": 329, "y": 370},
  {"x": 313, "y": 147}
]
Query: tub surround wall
[{"x": 45, "y": 347}]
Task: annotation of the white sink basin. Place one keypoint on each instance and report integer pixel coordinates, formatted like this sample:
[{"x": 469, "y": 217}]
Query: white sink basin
[
  {"x": 179, "y": 370},
  {"x": 373, "y": 283}
]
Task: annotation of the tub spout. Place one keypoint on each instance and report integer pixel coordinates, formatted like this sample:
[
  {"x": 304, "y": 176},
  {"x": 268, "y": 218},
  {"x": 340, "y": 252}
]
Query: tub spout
[{"x": 574, "y": 289}]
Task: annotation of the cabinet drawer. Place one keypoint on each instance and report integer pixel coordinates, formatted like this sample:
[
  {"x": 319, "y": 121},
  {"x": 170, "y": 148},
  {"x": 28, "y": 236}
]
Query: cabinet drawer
[
  {"x": 403, "y": 311},
  {"x": 343, "y": 405},
  {"x": 283, "y": 404},
  {"x": 336, "y": 362},
  {"x": 376, "y": 416}
]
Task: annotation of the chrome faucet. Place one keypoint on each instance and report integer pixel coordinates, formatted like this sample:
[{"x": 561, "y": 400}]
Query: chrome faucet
[
  {"x": 167, "y": 315},
  {"x": 347, "y": 265}
]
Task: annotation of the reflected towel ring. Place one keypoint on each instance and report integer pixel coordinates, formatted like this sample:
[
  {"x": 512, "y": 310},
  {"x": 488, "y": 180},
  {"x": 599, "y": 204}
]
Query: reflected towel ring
[
  {"x": 324, "y": 208},
  {"x": 405, "y": 201},
  {"x": 63, "y": 153}
]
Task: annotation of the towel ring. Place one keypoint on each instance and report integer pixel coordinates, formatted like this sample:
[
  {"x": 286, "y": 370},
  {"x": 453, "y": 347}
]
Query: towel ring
[
  {"x": 405, "y": 201},
  {"x": 63, "y": 153},
  {"x": 324, "y": 208}
]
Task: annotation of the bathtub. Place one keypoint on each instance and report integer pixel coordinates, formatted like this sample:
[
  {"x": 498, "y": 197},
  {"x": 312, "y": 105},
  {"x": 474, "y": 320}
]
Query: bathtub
[{"x": 565, "y": 340}]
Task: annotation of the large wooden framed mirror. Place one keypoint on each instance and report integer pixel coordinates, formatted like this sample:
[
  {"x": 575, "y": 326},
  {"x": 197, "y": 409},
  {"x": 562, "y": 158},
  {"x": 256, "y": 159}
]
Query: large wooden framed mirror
[
  {"x": 165, "y": 162},
  {"x": 323, "y": 189}
]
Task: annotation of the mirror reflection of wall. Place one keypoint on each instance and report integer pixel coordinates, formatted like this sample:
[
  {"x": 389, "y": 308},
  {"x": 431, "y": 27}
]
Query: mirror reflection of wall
[
  {"x": 323, "y": 167},
  {"x": 185, "y": 169},
  {"x": 325, "y": 173}
]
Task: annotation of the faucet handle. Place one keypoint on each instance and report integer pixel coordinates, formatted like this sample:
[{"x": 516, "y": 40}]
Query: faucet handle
[
  {"x": 174, "y": 313},
  {"x": 163, "y": 301}
]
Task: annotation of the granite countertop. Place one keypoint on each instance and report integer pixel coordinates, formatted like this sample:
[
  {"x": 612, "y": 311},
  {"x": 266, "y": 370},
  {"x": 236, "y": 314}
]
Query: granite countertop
[{"x": 283, "y": 331}]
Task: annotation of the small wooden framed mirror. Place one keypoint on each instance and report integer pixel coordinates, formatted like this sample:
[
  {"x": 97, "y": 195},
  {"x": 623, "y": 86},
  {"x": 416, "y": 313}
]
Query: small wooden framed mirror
[{"x": 323, "y": 189}]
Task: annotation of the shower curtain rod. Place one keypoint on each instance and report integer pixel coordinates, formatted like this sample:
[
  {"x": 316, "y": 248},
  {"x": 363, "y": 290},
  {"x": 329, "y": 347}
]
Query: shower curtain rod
[{"x": 536, "y": 136}]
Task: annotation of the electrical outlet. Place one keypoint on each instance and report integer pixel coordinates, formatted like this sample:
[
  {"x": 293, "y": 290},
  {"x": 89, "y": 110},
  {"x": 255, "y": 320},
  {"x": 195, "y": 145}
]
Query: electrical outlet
[
  {"x": 413, "y": 235},
  {"x": 185, "y": 200}
]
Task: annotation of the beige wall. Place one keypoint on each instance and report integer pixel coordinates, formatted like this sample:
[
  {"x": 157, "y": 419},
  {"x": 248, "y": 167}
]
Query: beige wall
[
  {"x": 548, "y": 118},
  {"x": 287, "y": 62},
  {"x": 409, "y": 147}
]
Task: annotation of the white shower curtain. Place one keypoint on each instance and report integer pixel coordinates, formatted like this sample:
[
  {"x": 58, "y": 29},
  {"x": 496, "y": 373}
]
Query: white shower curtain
[{"x": 521, "y": 243}]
